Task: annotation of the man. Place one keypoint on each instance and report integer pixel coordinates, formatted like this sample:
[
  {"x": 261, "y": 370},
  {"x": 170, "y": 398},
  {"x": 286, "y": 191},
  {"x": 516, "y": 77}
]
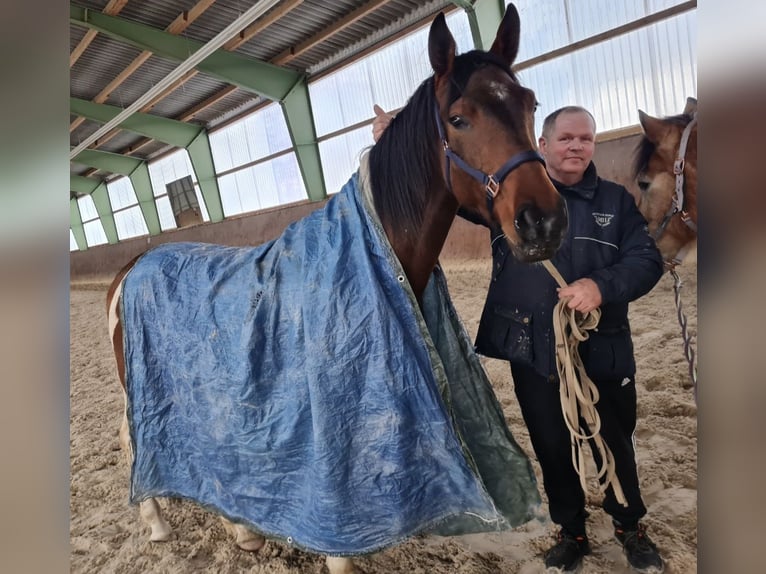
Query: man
[{"x": 608, "y": 259}]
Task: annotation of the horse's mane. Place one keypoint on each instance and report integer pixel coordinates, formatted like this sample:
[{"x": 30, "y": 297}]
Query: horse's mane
[
  {"x": 407, "y": 158},
  {"x": 645, "y": 148}
]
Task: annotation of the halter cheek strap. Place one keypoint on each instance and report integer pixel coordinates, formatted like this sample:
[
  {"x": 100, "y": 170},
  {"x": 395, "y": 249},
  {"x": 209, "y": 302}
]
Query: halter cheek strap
[
  {"x": 491, "y": 182},
  {"x": 677, "y": 204}
]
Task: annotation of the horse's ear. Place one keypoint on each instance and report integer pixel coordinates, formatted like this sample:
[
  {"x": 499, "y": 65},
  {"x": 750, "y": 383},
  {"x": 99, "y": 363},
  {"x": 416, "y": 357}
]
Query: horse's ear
[
  {"x": 441, "y": 47},
  {"x": 654, "y": 128},
  {"x": 506, "y": 44},
  {"x": 691, "y": 106}
]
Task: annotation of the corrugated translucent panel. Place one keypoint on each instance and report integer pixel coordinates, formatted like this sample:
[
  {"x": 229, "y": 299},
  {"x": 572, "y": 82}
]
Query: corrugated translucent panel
[
  {"x": 165, "y": 213},
  {"x": 675, "y": 64},
  {"x": 94, "y": 233},
  {"x": 550, "y": 24},
  {"x": 130, "y": 223},
  {"x": 170, "y": 168},
  {"x": 543, "y": 27},
  {"x": 590, "y": 17},
  {"x": 340, "y": 156},
  {"x": 275, "y": 182},
  {"x": 72, "y": 242},
  {"x": 653, "y": 69},
  {"x": 387, "y": 77},
  {"x": 121, "y": 193},
  {"x": 87, "y": 208},
  {"x": 255, "y": 136}
]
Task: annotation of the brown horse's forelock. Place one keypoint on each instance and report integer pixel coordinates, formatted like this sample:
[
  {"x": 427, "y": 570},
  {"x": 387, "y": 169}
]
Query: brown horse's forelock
[
  {"x": 407, "y": 158},
  {"x": 645, "y": 149}
]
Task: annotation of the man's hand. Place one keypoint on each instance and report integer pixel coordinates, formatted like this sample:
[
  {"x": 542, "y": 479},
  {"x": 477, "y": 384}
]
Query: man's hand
[
  {"x": 381, "y": 121},
  {"x": 585, "y": 295}
]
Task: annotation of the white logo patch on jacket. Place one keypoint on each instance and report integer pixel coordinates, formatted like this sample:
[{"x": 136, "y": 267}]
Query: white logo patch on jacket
[{"x": 603, "y": 219}]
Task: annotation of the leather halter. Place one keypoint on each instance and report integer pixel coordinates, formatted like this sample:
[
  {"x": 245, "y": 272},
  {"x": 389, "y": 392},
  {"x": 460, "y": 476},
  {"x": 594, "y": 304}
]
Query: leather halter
[
  {"x": 491, "y": 182},
  {"x": 677, "y": 204}
]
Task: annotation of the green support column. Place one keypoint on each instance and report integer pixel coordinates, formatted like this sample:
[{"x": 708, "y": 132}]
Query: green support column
[
  {"x": 138, "y": 172},
  {"x": 484, "y": 17},
  {"x": 104, "y": 209},
  {"x": 142, "y": 185},
  {"x": 75, "y": 224},
  {"x": 201, "y": 157},
  {"x": 300, "y": 122}
]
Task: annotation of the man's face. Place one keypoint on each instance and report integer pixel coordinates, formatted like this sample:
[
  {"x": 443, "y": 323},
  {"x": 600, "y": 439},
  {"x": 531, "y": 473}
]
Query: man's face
[{"x": 569, "y": 147}]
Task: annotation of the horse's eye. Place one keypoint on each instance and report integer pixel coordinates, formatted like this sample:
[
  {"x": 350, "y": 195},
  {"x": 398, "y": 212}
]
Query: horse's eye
[
  {"x": 537, "y": 105},
  {"x": 643, "y": 186},
  {"x": 458, "y": 122}
]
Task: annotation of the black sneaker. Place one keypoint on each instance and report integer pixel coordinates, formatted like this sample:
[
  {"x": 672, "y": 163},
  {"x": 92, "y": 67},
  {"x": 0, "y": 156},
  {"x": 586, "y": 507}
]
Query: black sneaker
[
  {"x": 641, "y": 552},
  {"x": 566, "y": 555}
]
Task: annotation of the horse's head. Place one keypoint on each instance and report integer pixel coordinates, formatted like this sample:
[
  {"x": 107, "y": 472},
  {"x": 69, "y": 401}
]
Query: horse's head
[
  {"x": 485, "y": 120},
  {"x": 666, "y": 171}
]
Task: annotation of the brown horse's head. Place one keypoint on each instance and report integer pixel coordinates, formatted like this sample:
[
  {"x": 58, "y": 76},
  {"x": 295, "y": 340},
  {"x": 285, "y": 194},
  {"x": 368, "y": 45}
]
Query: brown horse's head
[
  {"x": 487, "y": 128},
  {"x": 672, "y": 217}
]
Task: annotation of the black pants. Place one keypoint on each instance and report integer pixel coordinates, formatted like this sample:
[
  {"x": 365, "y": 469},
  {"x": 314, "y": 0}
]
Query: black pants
[{"x": 541, "y": 408}]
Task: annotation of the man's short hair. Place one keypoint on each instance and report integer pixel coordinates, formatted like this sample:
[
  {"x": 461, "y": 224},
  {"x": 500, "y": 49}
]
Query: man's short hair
[{"x": 550, "y": 120}]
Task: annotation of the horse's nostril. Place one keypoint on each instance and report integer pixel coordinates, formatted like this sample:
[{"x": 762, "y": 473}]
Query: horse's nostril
[
  {"x": 536, "y": 226},
  {"x": 526, "y": 223}
]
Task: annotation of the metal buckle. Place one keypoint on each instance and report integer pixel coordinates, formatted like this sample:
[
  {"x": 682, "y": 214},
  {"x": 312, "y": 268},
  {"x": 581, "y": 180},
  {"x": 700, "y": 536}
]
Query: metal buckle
[
  {"x": 678, "y": 166},
  {"x": 493, "y": 187}
]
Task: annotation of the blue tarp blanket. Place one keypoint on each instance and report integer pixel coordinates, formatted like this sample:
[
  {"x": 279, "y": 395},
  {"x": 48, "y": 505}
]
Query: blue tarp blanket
[{"x": 298, "y": 388}]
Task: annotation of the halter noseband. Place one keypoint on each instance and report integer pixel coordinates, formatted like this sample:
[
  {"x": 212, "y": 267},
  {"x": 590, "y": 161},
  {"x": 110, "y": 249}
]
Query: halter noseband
[
  {"x": 491, "y": 182},
  {"x": 677, "y": 204}
]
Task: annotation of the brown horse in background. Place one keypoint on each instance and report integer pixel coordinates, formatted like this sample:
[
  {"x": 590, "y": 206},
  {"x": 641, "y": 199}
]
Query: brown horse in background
[
  {"x": 666, "y": 170},
  {"x": 464, "y": 138}
]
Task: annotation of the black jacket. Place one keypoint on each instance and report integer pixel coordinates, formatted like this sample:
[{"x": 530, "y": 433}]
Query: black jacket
[{"x": 607, "y": 241}]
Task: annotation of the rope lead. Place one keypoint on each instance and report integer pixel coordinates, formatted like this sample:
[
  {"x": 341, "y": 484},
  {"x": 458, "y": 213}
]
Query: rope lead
[
  {"x": 689, "y": 353},
  {"x": 578, "y": 393}
]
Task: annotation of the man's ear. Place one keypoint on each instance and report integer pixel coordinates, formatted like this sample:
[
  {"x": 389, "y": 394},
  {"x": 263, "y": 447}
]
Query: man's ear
[{"x": 542, "y": 144}]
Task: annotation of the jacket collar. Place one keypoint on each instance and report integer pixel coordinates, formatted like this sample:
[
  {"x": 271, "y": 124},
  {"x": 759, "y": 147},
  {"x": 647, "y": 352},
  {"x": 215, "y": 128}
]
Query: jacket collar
[{"x": 586, "y": 187}]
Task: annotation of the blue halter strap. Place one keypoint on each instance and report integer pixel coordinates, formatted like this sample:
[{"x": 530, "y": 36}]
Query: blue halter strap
[{"x": 491, "y": 182}]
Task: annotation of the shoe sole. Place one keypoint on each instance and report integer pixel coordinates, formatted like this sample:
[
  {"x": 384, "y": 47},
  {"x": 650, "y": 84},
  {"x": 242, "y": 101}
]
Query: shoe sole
[{"x": 650, "y": 570}]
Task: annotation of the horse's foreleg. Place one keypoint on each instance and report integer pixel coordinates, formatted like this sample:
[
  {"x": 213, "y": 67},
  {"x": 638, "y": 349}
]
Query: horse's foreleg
[
  {"x": 340, "y": 565},
  {"x": 246, "y": 539}
]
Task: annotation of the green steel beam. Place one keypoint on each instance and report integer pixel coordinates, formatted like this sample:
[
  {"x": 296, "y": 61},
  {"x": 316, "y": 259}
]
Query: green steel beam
[
  {"x": 75, "y": 224},
  {"x": 300, "y": 122},
  {"x": 104, "y": 208},
  {"x": 82, "y": 184},
  {"x": 264, "y": 79},
  {"x": 176, "y": 133},
  {"x": 134, "y": 168},
  {"x": 142, "y": 185},
  {"x": 484, "y": 16},
  {"x": 201, "y": 157},
  {"x": 107, "y": 161}
]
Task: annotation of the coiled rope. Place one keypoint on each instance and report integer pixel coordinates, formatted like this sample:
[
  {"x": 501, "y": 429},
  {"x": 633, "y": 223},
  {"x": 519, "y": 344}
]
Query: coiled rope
[{"x": 578, "y": 393}]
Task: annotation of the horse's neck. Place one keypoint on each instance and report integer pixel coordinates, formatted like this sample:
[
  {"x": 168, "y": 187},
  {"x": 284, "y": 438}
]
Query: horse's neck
[{"x": 419, "y": 256}]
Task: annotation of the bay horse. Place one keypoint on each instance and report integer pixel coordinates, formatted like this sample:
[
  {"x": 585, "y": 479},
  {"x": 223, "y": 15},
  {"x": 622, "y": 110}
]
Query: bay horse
[
  {"x": 665, "y": 168},
  {"x": 465, "y": 138}
]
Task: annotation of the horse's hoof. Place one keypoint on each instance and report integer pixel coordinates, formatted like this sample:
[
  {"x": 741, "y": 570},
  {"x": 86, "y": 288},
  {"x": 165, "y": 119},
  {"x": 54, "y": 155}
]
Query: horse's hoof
[
  {"x": 253, "y": 544},
  {"x": 246, "y": 539},
  {"x": 161, "y": 535},
  {"x": 340, "y": 565}
]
